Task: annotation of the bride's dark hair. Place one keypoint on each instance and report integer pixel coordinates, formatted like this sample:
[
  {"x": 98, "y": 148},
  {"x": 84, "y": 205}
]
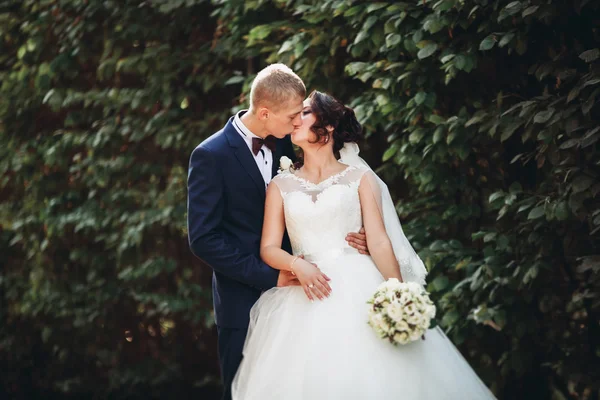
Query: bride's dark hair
[{"x": 330, "y": 112}]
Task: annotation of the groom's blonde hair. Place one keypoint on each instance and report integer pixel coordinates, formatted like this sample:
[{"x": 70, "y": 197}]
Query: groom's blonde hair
[{"x": 274, "y": 86}]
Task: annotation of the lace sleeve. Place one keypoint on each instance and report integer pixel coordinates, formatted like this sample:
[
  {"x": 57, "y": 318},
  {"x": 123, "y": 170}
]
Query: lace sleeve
[{"x": 285, "y": 182}]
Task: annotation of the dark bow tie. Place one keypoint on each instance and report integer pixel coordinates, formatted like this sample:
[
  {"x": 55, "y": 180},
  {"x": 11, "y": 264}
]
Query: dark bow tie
[{"x": 269, "y": 141}]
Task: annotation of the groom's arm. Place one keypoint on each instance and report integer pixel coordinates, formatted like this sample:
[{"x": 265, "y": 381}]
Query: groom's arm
[{"x": 205, "y": 214}]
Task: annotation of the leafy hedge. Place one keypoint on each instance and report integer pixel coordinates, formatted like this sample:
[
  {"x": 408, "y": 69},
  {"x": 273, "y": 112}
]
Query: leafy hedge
[
  {"x": 481, "y": 114},
  {"x": 101, "y": 104}
]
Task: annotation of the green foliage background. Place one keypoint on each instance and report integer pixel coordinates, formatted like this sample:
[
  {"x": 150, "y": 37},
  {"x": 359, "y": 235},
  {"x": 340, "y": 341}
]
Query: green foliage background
[{"x": 481, "y": 114}]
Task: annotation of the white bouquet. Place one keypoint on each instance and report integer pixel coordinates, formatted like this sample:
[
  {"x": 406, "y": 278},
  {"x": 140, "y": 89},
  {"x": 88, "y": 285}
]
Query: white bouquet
[{"x": 400, "y": 312}]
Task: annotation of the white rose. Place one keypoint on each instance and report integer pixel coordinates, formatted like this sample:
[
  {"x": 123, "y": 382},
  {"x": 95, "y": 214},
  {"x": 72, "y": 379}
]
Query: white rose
[
  {"x": 390, "y": 296},
  {"x": 427, "y": 312},
  {"x": 395, "y": 312},
  {"x": 414, "y": 320},
  {"x": 285, "y": 163},
  {"x": 401, "y": 337},
  {"x": 385, "y": 326},
  {"x": 426, "y": 324},
  {"x": 390, "y": 285},
  {"x": 414, "y": 288},
  {"x": 376, "y": 320},
  {"x": 402, "y": 326},
  {"x": 405, "y": 298},
  {"x": 415, "y": 335}
]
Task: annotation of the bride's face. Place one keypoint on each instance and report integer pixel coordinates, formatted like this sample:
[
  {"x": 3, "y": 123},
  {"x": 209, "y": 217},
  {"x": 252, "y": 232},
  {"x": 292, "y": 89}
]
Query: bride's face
[{"x": 303, "y": 136}]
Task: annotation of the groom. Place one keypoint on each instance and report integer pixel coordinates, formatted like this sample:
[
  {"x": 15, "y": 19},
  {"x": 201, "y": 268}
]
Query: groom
[{"x": 227, "y": 178}]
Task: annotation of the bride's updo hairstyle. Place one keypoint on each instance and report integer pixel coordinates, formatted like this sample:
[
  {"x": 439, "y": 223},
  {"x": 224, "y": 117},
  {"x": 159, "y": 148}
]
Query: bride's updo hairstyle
[{"x": 329, "y": 112}]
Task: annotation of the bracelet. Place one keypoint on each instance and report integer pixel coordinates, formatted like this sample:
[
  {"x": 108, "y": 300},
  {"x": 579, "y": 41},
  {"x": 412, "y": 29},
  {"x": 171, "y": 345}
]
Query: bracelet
[{"x": 292, "y": 264}]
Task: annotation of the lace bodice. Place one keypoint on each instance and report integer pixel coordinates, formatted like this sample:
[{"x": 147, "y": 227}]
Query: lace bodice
[{"x": 319, "y": 216}]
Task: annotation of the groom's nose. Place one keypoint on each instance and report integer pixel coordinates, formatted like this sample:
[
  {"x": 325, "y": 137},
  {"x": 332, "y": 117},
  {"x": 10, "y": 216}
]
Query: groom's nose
[{"x": 297, "y": 121}]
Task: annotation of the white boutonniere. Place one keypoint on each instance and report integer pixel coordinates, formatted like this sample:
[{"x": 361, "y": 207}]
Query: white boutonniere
[{"x": 285, "y": 164}]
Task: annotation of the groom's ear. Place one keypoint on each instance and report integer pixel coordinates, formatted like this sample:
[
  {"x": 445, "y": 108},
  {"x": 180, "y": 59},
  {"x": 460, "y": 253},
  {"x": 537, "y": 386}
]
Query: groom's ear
[{"x": 262, "y": 113}]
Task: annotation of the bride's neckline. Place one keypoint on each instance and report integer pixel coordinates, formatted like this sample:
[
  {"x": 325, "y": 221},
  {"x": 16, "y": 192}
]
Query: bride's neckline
[{"x": 326, "y": 180}]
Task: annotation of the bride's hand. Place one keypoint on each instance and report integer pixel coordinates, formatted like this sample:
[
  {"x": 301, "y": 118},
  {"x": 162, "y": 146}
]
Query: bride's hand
[{"x": 312, "y": 279}]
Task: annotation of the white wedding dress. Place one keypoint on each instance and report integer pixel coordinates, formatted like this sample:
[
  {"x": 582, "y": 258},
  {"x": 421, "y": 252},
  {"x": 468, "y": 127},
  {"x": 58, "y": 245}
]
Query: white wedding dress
[{"x": 298, "y": 350}]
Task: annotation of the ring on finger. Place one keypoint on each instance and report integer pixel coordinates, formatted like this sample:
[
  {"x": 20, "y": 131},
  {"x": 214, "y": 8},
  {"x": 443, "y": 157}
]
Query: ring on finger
[{"x": 311, "y": 286}]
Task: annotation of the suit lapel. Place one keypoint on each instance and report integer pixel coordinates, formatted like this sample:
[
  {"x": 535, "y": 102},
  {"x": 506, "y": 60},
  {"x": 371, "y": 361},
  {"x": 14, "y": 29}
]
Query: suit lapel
[{"x": 244, "y": 156}]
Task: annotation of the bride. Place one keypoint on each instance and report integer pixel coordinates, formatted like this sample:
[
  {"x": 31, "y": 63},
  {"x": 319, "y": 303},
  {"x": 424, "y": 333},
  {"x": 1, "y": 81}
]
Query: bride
[{"x": 312, "y": 341}]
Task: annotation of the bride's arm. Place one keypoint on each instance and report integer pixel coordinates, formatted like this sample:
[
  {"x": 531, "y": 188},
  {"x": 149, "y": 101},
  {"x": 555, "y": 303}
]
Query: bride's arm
[
  {"x": 272, "y": 233},
  {"x": 378, "y": 241},
  {"x": 272, "y": 253}
]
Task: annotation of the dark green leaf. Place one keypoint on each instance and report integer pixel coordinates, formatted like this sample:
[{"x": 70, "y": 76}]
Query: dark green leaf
[
  {"x": 495, "y": 196},
  {"x": 440, "y": 283},
  {"x": 392, "y": 40},
  {"x": 376, "y": 6},
  {"x": 235, "y": 79},
  {"x": 562, "y": 211},
  {"x": 259, "y": 32},
  {"x": 569, "y": 143},
  {"x": 436, "y": 119},
  {"x": 506, "y": 39},
  {"x": 372, "y": 20},
  {"x": 489, "y": 237},
  {"x": 582, "y": 183},
  {"x": 510, "y": 129},
  {"x": 390, "y": 152},
  {"x": 433, "y": 25},
  {"x": 437, "y": 245},
  {"x": 416, "y": 136},
  {"x": 420, "y": 97},
  {"x": 502, "y": 242},
  {"x": 515, "y": 188},
  {"x": 353, "y": 11},
  {"x": 530, "y": 10},
  {"x": 487, "y": 43},
  {"x": 450, "y": 318},
  {"x": 543, "y": 116},
  {"x": 427, "y": 51},
  {"x": 536, "y": 212},
  {"x": 590, "y": 55},
  {"x": 438, "y": 135},
  {"x": 590, "y": 137}
]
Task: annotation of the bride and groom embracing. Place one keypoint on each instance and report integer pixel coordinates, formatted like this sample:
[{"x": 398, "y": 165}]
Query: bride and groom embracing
[{"x": 296, "y": 254}]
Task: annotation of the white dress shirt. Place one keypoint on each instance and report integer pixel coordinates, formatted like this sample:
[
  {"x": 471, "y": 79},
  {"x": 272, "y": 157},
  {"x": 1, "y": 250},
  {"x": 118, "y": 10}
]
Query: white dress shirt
[{"x": 264, "y": 158}]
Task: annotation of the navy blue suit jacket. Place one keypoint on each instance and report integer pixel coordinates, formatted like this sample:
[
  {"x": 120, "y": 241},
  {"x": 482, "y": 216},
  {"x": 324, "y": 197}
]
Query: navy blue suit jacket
[{"x": 226, "y": 200}]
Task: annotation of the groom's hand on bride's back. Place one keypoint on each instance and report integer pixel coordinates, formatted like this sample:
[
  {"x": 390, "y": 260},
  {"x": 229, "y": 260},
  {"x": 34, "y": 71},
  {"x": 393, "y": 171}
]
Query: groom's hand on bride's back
[
  {"x": 286, "y": 278},
  {"x": 358, "y": 241}
]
